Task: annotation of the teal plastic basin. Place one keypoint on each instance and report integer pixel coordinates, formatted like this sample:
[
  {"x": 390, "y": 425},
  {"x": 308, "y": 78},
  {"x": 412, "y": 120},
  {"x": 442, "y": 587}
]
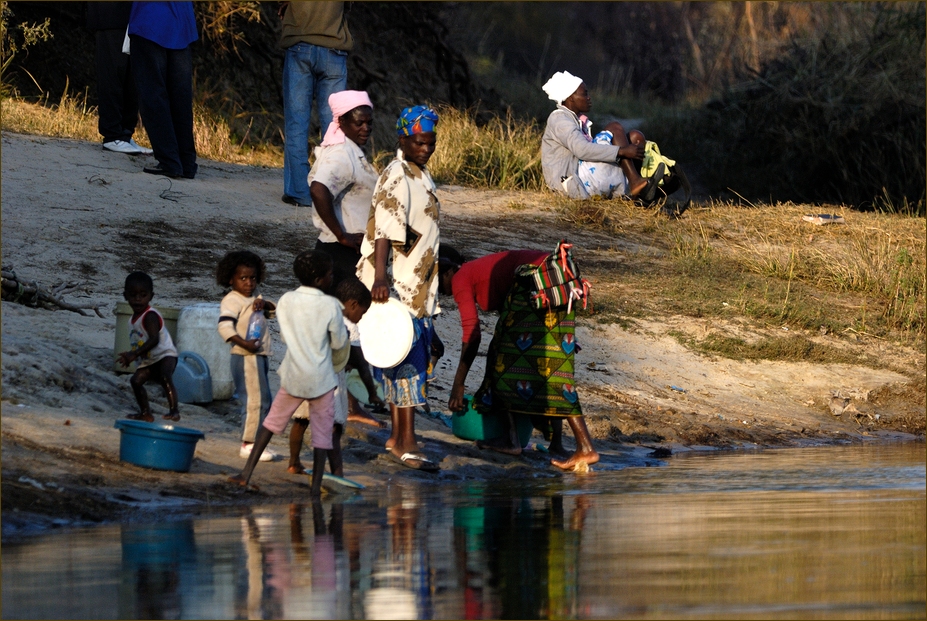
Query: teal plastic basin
[
  {"x": 161, "y": 447},
  {"x": 468, "y": 424}
]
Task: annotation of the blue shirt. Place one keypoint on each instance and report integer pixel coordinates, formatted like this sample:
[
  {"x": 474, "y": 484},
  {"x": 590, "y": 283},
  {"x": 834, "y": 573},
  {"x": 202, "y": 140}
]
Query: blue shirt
[{"x": 169, "y": 24}]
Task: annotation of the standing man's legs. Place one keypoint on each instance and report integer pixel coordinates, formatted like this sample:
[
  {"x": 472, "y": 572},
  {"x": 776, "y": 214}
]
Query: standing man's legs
[
  {"x": 116, "y": 96},
  {"x": 150, "y": 66},
  {"x": 298, "y": 89},
  {"x": 331, "y": 70},
  {"x": 180, "y": 94}
]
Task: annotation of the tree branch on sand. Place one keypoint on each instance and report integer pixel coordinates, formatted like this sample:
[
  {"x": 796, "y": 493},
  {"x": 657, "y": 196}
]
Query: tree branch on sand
[{"x": 29, "y": 293}]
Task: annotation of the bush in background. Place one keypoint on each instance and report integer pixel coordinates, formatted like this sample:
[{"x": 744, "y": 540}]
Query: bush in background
[{"x": 837, "y": 118}]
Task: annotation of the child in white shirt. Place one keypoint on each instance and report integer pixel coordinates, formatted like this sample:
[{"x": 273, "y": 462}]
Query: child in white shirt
[{"x": 312, "y": 326}]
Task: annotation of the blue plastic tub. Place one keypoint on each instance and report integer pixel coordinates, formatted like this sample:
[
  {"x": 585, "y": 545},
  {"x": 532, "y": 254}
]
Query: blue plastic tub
[
  {"x": 192, "y": 379},
  {"x": 162, "y": 447}
]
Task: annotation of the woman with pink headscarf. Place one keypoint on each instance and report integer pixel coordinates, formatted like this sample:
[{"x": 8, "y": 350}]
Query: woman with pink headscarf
[{"x": 341, "y": 182}]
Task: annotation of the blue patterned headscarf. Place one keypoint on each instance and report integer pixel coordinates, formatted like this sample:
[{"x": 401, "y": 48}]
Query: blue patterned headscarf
[{"x": 416, "y": 120}]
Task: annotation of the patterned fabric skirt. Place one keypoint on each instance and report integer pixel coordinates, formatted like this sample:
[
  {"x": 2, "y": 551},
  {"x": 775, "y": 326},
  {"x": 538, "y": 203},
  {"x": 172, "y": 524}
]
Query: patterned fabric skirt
[
  {"x": 405, "y": 385},
  {"x": 529, "y": 366}
]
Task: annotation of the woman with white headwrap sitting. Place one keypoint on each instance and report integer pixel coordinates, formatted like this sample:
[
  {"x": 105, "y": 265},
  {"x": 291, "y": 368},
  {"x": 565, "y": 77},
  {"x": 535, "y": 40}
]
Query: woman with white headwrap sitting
[{"x": 582, "y": 166}]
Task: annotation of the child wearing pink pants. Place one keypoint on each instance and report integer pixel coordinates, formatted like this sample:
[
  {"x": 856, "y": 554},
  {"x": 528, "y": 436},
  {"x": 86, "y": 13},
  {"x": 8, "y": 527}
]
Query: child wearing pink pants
[{"x": 312, "y": 326}]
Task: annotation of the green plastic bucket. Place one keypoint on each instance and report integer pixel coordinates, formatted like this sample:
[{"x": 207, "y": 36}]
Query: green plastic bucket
[{"x": 468, "y": 424}]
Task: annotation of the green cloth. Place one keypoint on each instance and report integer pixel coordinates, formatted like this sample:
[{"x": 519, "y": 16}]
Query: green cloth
[
  {"x": 529, "y": 366},
  {"x": 652, "y": 159}
]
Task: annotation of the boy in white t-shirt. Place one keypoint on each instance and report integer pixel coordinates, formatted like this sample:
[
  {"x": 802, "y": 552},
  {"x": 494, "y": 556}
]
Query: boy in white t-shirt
[
  {"x": 151, "y": 347},
  {"x": 355, "y": 300},
  {"x": 312, "y": 326}
]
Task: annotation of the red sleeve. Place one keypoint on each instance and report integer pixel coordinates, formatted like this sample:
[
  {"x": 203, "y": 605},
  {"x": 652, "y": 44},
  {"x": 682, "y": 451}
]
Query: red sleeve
[{"x": 466, "y": 304}]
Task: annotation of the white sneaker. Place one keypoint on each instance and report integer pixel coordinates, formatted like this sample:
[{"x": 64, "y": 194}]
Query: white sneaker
[
  {"x": 144, "y": 150},
  {"x": 121, "y": 146},
  {"x": 267, "y": 455}
]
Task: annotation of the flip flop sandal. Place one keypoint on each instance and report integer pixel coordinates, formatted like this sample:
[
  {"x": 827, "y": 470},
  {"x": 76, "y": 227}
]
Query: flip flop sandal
[
  {"x": 173, "y": 417},
  {"x": 650, "y": 192},
  {"x": 148, "y": 418},
  {"x": 415, "y": 462}
]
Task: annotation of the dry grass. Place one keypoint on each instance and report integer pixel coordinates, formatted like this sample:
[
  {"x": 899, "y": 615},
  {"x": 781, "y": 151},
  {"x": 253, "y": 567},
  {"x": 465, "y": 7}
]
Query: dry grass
[
  {"x": 867, "y": 275},
  {"x": 502, "y": 153},
  {"x": 71, "y": 117}
]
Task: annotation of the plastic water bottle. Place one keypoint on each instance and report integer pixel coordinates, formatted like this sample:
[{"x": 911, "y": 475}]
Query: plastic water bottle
[{"x": 256, "y": 326}]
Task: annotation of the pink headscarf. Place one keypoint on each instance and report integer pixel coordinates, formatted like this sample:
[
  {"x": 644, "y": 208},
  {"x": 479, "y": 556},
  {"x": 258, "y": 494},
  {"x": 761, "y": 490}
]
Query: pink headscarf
[{"x": 341, "y": 103}]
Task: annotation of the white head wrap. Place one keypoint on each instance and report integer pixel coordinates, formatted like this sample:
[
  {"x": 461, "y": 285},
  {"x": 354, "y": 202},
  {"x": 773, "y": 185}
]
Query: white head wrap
[{"x": 561, "y": 85}]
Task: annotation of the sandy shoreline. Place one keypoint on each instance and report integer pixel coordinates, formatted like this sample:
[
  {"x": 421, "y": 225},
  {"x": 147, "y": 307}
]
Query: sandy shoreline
[{"x": 72, "y": 212}]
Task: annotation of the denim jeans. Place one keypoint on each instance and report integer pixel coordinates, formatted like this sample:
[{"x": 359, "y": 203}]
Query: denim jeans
[{"x": 308, "y": 71}]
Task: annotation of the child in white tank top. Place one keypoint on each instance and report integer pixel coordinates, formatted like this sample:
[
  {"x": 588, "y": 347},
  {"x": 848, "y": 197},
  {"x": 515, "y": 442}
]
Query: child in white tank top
[{"x": 152, "y": 348}]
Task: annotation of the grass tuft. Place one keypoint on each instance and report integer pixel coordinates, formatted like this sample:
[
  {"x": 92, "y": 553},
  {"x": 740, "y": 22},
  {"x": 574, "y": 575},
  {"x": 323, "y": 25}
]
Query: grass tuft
[{"x": 502, "y": 153}]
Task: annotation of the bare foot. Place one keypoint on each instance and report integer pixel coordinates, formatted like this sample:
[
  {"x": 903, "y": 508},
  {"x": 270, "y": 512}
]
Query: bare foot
[
  {"x": 638, "y": 187},
  {"x": 499, "y": 446},
  {"x": 297, "y": 469},
  {"x": 143, "y": 416},
  {"x": 577, "y": 457},
  {"x": 363, "y": 417},
  {"x": 240, "y": 480}
]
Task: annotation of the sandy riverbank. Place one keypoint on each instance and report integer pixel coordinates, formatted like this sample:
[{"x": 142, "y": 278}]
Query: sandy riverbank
[{"x": 72, "y": 212}]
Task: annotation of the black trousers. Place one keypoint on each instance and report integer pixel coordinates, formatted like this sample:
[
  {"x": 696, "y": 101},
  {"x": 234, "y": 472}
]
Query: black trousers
[
  {"x": 116, "y": 95},
  {"x": 164, "y": 78}
]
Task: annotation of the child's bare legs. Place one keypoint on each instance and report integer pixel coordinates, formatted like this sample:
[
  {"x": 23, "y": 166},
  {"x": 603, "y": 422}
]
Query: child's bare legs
[
  {"x": 165, "y": 369},
  {"x": 138, "y": 381},
  {"x": 297, "y": 433},
  {"x": 636, "y": 183},
  {"x": 584, "y": 451},
  {"x": 357, "y": 414},
  {"x": 261, "y": 440},
  {"x": 162, "y": 372},
  {"x": 334, "y": 455},
  {"x": 319, "y": 457}
]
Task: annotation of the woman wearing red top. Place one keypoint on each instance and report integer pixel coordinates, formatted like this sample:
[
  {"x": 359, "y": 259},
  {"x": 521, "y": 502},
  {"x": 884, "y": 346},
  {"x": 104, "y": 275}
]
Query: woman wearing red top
[{"x": 510, "y": 385}]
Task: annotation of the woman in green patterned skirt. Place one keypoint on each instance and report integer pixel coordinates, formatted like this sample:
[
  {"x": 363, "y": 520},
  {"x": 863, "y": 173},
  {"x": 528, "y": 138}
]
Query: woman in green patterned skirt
[{"x": 529, "y": 365}]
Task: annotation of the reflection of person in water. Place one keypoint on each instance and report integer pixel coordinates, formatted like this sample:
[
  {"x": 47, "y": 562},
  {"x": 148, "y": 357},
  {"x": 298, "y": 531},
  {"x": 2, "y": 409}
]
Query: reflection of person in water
[
  {"x": 535, "y": 567},
  {"x": 268, "y": 566},
  {"x": 151, "y": 558},
  {"x": 400, "y": 581}
]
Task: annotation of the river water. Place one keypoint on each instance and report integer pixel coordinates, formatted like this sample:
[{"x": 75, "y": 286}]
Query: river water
[{"x": 829, "y": 532}]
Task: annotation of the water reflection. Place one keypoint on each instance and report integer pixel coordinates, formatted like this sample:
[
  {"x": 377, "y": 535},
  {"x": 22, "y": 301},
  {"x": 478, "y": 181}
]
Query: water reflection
[{"x": 827, "y": 533}]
